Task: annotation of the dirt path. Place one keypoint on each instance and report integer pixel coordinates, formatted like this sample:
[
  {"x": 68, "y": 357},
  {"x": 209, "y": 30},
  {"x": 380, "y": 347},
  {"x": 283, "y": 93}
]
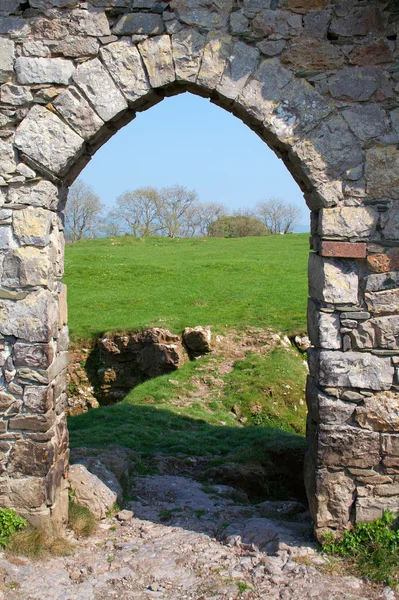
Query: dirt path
[{"x": 189, "y": 541}]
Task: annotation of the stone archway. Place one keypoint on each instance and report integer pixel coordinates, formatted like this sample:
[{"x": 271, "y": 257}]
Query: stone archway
[{"x": 318, "y": 82}]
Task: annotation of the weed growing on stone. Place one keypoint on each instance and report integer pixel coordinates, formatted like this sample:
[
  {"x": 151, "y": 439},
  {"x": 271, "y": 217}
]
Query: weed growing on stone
[{"x": 373, "y": 547}]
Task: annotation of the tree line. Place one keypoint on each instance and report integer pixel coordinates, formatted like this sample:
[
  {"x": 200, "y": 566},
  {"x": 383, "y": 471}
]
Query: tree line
[{"x": 173, "y": 211}]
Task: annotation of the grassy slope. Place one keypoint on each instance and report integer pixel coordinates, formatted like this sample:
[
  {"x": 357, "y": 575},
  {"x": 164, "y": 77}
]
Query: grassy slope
[
  {"x": 126, "y": 284},
  {"x": 123, "y": 283}
]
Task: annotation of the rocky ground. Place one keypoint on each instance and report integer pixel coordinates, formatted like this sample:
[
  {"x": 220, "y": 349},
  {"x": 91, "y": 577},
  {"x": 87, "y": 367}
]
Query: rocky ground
[{"x": 191, "y": 541}]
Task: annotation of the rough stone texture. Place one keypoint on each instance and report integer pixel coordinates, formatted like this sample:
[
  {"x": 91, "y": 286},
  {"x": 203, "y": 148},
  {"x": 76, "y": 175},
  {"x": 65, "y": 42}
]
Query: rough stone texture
[
  {"x": 7, "y": 54},
  {"x": 239, "y": 66},
  {"x": 90, "y": 491},
  {"x": 158, "y": 59},
  {"x": 124, "y": 63},
  {"x": 147, "y": 23},
  {"x": 95, "y": 82},
  {"x": 46, "y": 139},
  {"x": 343, "y": 249},
  {"x": 382, "y": 172},
  {"x": 348, "y": 221},
  {"x": 198, "y": 339},
  {"x": 333, "y": 280},
  {"x": 125, "y": 361},
  {"x": 33, "y": 319},
  {"x": 44, "y": 70},
  {"x": 187, "y": 48},
  {"x": 32, "y": 226},
  {"x": 383, "y": 302},
  {"x": 78, "y": 113},
  {"x": 318, "y": 81},
  {"x": 355, "y": 370},
  {"x": 323, "y": 328}
]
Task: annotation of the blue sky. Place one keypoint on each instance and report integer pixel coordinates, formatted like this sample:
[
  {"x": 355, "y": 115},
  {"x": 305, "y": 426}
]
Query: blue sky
[{"x": 190, "y": 141}]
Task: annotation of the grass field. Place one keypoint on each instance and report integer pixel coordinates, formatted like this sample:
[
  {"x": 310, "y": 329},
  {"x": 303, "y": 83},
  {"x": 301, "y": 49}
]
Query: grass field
[
  {"x": 254, "y": 410},
  {"x": 124, "y": 283}
]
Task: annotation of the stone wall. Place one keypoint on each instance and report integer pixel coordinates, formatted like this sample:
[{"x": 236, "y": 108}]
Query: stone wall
[{"x": 318, "y": 81}]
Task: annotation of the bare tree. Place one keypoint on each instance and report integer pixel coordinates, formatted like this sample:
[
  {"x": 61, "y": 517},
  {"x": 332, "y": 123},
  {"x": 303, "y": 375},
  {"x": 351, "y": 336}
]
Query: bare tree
[
  {"x": 111, "y": 225},
  {"x": 191, "y": 221},
  {"x": 209, "y": 212},
  {"x": 278, "y": 216},
  {"x": 174, "y": 205},
  {"x": 138, "y": 210},
  {"x": 82, "y": 213}
]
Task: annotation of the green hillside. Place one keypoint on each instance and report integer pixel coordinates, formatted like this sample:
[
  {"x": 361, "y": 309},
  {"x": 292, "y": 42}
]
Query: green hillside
[{"x": 125, "y": 283}]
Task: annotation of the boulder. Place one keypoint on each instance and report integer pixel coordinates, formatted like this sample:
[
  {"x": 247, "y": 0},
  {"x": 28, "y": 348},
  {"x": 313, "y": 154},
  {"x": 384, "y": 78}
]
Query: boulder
[
  {"x": 197, "y": 339},
  {"x": 90, "y": 491}
]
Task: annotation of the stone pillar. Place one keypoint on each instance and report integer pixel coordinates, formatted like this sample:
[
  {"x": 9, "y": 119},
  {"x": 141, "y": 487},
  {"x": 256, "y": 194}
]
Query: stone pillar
[
  {"x": 33, "y": 357},
  {"x": 352, "y": 390}
]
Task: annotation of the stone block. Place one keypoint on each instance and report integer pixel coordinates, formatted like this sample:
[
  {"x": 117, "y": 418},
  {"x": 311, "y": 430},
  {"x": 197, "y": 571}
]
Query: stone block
[
  {"x": 383, "y": 302},
  {"x": 90, "y": 491},
  {"x": 343, "y": 249},
  {"x": 333, "y": 280},
  {"x": 139, "y": 23},
  {"x": 124, "y": 63},
  {"x": 381, "y": 332},
  {"x": 390, "y": 223},
  {"x": 270, "y": 22},
  {"x": 16, "y": 95},
  {"x": 44, "y": 70},
  {"x": 76, "y": 47},
  {"x": 37, "y": 356},
  {"x": 360, "y": 21},
  {"x": 310, "y": 54},
  {"x": 265, "y": 89},
  {"x": 7, "y": 240},
  {"x": 347, "y": 446},
  {"x": 27, "y": 266},
  {"x": 157, "y": 55},
  {"x": 187, "y": 47},
  {"x": 39, "y": 194},
  {"x": 301, "y": 109},
  {"x": 89, "y": 22},
  {"x": 7, "y": 55},
  {"x": 331, "y": 143},
  {"x": 382, "y": 172},
  {"x": 31, "y": 226},
  {"x": 6, "y": 400},
  {"x": 33, "y": 318},
  {"x": 201, "y": 14},
  {"x": 26, "y": 493},
  {"x": 31, "y": 458},
  {"x": 326, "y": 409},
  {"x": 368, "y": 509},
  {"x": 240, "y": 65},
  {"x": 37, "y": 423},
  {"x": 96, "y": 83},
  {"x": 48, "y": 141},
  {"x": 78, "y": 113},
  {"x": 355, "y": 370},
  {"x": 323, "y": 328},
  {"x": 382, "y": 281},
  {"x": 8, "y": 162},
  {"x": 366, "y": 122},
  {"x": 216, "y": 52},
  {"x": 379, "y": 412},
  {"x": 348, "y": 222},
  {"x": 334, "y": 497},
  {"x": 38, "y": 399},
  {"x": 356, "y": 84},
  {"x": 382, "y": 263}
]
